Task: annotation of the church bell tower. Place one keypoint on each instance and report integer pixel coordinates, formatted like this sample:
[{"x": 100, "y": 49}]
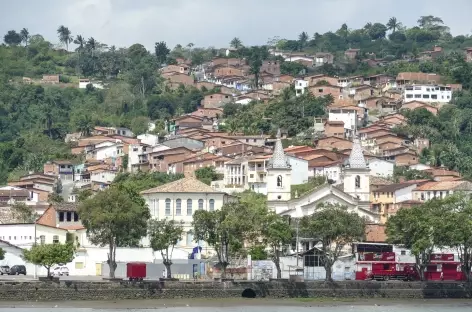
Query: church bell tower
[{"x": 279, "y": 174}]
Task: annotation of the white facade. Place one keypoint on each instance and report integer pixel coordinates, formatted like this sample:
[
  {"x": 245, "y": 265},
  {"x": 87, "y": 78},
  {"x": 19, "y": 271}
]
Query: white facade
[
  {"x": 104, "y": 152},
  {"x": 332, "y": 172},
  {"x": 149, "y": 139},
  {"x": 381, "y": 168},
  {"x": 244, "y": 100},
  {"x": 405, "y": 193},
  {"x": 301, "y": 86},
  {"x": 103, "y": 176},
  {"x": 84, "y": 82},
  {"x": 348, "y": 116},
  {"x": 420, "y": 167},
  {"x": 427, "y": 93},
  {"x": 181, "y": 207},
  {"x": 21, "y": 235}
]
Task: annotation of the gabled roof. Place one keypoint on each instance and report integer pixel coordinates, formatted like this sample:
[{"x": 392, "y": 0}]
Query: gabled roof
[{"x": 185, "y": 185}]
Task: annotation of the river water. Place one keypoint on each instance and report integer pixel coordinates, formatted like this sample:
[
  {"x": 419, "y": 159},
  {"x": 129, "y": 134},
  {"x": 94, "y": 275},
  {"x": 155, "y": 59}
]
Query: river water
[{"x": 245, "y": 306}]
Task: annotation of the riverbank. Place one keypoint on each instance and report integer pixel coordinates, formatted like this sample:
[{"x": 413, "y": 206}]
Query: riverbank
[
  {"x": 274, "y": 290},
  {"x": 237, "y": 302}
]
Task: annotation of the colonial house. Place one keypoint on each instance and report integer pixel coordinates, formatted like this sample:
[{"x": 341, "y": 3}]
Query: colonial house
[{"x": 179, "y": 200}]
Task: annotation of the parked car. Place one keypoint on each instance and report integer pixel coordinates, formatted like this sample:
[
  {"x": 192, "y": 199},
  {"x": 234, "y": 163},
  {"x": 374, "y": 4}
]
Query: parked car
[
  {"x": 60, "y": 271},
  {"x": 17, "y": 270},
  {"x": 4, "y": 269}
]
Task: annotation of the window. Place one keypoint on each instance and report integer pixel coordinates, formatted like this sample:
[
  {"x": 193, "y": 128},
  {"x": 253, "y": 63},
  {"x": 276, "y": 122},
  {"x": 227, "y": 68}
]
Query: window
[
  {"x": 200, "y": 204},
  {"x": 255, "y": 140},
  {"x": 79, "y": 265},
  {"x": 189, "y": 207},
  {"x": 212, "y": 204},
  {"x": 167, "y": 207},
  {"x": 189, "y": 238},
  {"x": 434, "y": 96},
  {"x": 251, "y": 176},
  {"x": 417, "y": 96},
  {"x": 61, "y": 216},
  {"x": 178, "y": 207},
  {"x": 55, "y": 239},
  {"x": 42, "y": 239},
  {"x": 279, "y": 181},
  {"x": 320, "y": 90},
  {"x": 69, "y": 216},
  {"x": 358, "y": 182},
  {"x": 425, "y": 96},
  {"x": 409, "y": 96},
  {"x": 76, "y": 217},
  {"x": 403, "y": 252}
]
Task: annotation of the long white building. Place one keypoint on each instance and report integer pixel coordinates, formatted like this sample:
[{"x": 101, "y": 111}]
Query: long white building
[{"x": 427, "y": 93}]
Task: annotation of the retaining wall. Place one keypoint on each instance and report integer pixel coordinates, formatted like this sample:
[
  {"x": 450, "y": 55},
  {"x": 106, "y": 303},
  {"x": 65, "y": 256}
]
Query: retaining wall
[{"x": 87, "y": 290}]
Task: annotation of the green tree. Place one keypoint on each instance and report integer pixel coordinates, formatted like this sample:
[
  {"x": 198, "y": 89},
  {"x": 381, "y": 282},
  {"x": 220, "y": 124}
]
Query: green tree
[
  {"x": 236, "y": 43},
  {"x": 416, "y": 229},
  {"x": 393, "y": 24},
  {"x": 162, "y": 51},
  {"x": 334, "y": 229},
  {"x": 115, "y": 217},
  {"x": 12, "y": 38},
  {"x": 25, "y": 36},
  {"x": 302, "y": 40},
  {"x": 49, "y": 255},
  {"x": 2, "y": 254},
  {"x": 277, "y": 234},
  {"x": 377, "y": 31},
  {"x": 163, "y": 236},
  {"x": 206, "y": 175},
  {"x": 65, "y": 36}
]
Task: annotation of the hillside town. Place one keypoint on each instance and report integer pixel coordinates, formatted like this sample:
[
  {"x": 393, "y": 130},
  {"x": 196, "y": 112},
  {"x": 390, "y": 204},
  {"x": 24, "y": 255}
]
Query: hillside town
[{"x": 365, "y": 146}]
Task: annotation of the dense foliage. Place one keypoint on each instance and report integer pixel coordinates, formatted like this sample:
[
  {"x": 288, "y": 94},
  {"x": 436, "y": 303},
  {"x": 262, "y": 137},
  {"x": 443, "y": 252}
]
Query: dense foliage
[
  {"x": 50, "y": 255},
  {"x": 434, "y": 225}
]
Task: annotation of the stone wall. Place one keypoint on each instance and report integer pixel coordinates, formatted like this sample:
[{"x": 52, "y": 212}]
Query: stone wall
[{"x": 86, "y": 290}]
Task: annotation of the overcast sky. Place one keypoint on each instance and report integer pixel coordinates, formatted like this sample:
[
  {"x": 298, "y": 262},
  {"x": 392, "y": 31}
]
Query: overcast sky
[{"x": 216, "y": 22}]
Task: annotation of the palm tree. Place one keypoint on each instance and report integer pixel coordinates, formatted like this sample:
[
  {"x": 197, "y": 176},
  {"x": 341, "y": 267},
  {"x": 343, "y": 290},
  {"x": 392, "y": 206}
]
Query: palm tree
[
  {"x": 393, "y": 24},
  {"x": 302, "y": 39},
  {"x": 80, "y": 41},
  {"x": 25, "y": 36},
  {"x": 92, "y": 44},
  {"x": 65, "y": 36},
  {"x": 236, "y": 43}
]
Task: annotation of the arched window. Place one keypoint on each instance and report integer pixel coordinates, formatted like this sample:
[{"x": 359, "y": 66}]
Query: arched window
[
  {"x": 200, "y": 204},
  {"x": 189, "y": 207},
  {"x": 279, "y": 181},
  {"x": 168, "y": 207},
  {"x": 358, "y": 181},
  {"x": 178, "y": 207},
  {"x": 212, "y": 204}
]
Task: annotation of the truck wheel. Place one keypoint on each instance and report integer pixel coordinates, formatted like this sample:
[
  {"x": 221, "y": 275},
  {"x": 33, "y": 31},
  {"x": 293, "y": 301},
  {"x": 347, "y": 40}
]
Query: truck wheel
[{"x": 386, "y": 278}]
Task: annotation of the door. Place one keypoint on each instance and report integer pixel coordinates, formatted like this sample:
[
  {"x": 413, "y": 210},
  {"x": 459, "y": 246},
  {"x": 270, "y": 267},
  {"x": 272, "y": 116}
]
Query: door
[{"x": 98, "y": 269}]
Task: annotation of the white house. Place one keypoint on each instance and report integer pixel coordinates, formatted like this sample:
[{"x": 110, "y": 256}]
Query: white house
[
  {"x": 103, "y": 175},
  {"x": 427, "y": 93},
  {"x": 300, "y": 86},
  {"x": 381, "y": 168},
  {"x": 149, "y": 139},
  {"x": 331, "y": 170},
  {"x": 106, "y": 150},
  {"x": 346, "y": 115},
  {"x": 179, "y": 200}
]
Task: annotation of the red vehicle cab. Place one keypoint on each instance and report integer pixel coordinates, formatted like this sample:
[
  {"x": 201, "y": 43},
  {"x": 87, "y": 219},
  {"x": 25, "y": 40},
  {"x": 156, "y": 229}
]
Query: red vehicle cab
[
  {"x": 136, "y": 271},
  {"x": 443, "y": 267}
]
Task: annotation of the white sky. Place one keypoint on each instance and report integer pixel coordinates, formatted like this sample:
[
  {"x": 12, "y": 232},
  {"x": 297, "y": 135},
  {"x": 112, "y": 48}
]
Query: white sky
[{"x": 216, "y": 22}]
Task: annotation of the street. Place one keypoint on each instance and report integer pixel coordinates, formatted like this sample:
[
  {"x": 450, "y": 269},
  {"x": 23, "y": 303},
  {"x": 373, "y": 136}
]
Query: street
[{"x": 63, "y": 278}]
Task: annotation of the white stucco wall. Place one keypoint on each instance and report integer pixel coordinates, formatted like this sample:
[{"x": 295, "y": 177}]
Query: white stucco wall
[
  {"x": 299, "y": 170},
  {"x": 381, "y": 168},
  {"x": 405, "y": 193}
]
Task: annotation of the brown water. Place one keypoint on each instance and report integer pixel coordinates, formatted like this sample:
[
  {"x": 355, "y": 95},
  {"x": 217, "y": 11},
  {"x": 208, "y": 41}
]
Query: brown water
[{"x": 241, "y": 305}]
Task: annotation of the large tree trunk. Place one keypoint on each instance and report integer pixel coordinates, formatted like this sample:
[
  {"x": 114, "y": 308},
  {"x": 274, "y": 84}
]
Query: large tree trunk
[
  {"x": 168, "y": 264},
  {"x": 111, "y": 259},
  {"x": 276, "y": 260},
  {"x": 329, "y": 271},
  {"x": 224, "y": 265}
]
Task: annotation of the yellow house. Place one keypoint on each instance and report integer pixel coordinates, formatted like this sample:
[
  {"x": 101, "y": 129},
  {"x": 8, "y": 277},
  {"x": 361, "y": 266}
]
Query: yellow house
[{"x": 388, "y": 199}]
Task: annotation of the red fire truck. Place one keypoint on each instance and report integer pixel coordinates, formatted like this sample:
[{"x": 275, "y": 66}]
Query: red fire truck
[
  {"x": 443, "y": 267},
  {"x": 382, "y": 266}
]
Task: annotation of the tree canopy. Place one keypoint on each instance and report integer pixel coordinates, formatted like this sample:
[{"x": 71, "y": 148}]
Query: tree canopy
[
  {"x": 50, "y": 255},
  {"x": 115, "y": 217}
]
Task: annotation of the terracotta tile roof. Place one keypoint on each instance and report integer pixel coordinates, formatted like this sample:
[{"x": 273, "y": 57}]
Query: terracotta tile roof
[
  {"x": 379, "y": 181},
  {"x": 394, "y": 187},
  {"x": 375, "y": 233},
  {"x": 445, "y": 186},
  {"x": 185, "y": 185},
  {"x": 14, "y": 193},
  {"x": 442, "y": 172},
  {"x": 412, "y": 76},
  {"x": 65, "y": 206}
]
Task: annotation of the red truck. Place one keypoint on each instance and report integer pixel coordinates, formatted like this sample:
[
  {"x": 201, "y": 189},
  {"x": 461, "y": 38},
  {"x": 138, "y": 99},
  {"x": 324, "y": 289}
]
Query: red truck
[
  {"x": 383, "y": 266},
  {"x": 136, "y": 271}
]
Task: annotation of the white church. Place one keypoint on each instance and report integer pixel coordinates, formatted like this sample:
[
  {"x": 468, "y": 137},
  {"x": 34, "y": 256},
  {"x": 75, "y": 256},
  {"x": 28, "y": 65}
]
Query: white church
[{"x": 354, "y": 194}]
